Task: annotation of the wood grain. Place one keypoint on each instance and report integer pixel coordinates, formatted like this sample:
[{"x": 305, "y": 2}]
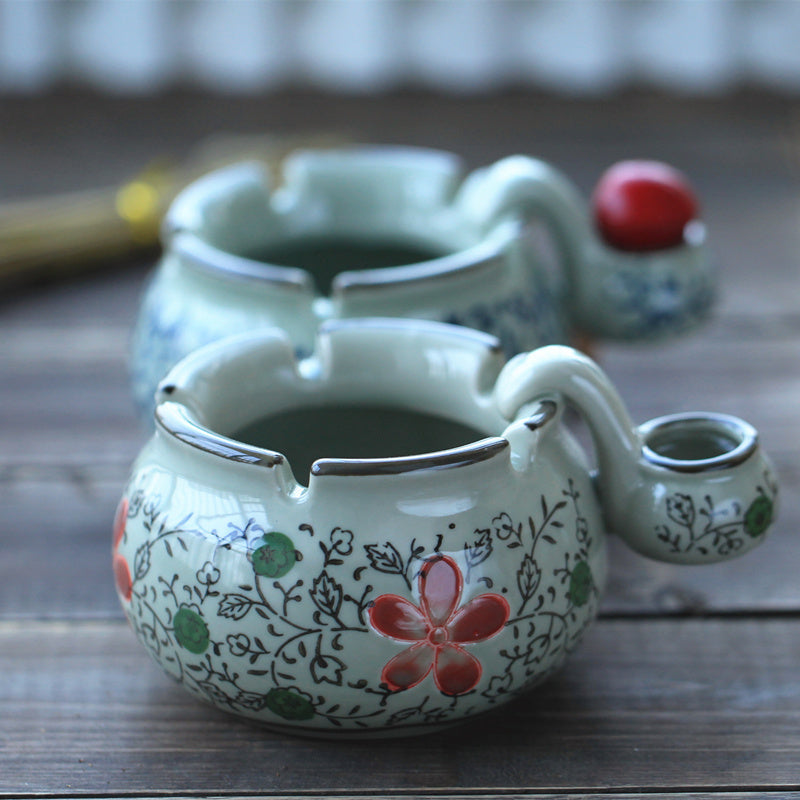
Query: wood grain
[{"x": 640, "y": 706}]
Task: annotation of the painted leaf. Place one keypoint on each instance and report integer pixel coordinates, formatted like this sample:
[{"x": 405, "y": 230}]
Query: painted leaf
[
  {"x": 385, "y": 558},
  {"x": 326, "y": 594},
  {"x": 528, "y": 576},
  {"x": 327, "y": 669},
  {"x": 141, "y": 562},
  {"x": 234, "y": 606}
]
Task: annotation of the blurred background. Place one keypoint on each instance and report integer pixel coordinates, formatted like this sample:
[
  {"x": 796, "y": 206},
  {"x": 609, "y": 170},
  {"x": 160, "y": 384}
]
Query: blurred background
[
  {"x": 94, "y": 92},
  {"x": 576, "y": 47}
]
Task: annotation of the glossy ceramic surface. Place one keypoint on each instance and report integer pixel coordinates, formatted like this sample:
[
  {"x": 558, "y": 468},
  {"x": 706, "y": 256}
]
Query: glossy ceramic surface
[
  {"x": 352, "y": 583},
  {"x": 373, "y": 231}
]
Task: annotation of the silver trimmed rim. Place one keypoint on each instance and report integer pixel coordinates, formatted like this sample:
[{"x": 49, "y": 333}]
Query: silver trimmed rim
[
  {"x": 175, "y": 419},
  {"x": 463, "y": 456},
  {"x": 732, "y": 428}
]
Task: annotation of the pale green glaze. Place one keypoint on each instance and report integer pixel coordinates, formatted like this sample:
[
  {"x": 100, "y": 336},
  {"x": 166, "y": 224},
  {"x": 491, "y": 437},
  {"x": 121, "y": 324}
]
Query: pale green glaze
[
  {"x": 305, "y": 596},
  {"x": 401, "y": 232}
]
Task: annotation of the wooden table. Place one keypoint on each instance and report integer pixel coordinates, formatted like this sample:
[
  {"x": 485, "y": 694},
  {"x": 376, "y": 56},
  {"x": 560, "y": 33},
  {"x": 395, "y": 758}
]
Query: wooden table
[{"x": 689, "y": 684}]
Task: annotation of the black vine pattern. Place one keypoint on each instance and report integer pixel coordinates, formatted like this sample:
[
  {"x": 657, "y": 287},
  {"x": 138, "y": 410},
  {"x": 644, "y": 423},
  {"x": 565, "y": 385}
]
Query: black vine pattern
[
  {"x": 699, "y": 525},
  {"x": 553, "y": 613},
  {"x": 283, "y": 648},
  {"x": 652, "y": 304},
  {"x": 528, "y": 318}
]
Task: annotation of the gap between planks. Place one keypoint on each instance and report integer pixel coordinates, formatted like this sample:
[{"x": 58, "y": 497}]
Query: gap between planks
[{"x": 500, "y": 794}]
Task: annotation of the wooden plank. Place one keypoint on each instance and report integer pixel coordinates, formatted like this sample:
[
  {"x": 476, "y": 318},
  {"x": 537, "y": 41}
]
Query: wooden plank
[
  {"x": 741, "y": 151},
  {"x": 497, "y": 795},
  {"x": 745, "y": 129},
  {"x": 66, "y": 413},
  {"x": 669, "y": 706},
  {"x": 746, "y": 367},
  {"x": 56, "y": 547}
]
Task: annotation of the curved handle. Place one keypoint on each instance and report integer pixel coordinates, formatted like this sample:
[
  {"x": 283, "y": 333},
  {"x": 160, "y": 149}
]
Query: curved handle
[
  {"x": 608, "y": 292},
  {"x": 578, "y": 381},
  {"x": 687, "y": 489},
  {"x": 527, "y": 186},
  {"x": 557, "y": 369}
]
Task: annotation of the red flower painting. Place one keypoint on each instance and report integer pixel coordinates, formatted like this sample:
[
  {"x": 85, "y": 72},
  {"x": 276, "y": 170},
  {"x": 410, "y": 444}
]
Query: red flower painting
[
  {"x": 122, "y": 572},
  {"x": 120, "y": 519},
  {"x": 438, "y": 629},
  {"x": 122, "y": 577}
]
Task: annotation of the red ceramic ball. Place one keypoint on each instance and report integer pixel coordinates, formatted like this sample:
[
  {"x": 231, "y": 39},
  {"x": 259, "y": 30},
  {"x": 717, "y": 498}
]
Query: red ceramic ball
[{"x": 643, "y": 206}]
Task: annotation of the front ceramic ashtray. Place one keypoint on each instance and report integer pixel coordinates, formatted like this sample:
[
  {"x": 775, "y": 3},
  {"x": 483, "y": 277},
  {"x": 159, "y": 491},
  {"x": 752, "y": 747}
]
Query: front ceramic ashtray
[
  {"x": 404, "y": 232},
  {"x": 398, "y": 532}
]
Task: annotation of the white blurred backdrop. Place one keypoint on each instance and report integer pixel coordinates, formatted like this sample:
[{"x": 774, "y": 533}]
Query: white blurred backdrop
[{"x": 568, "y": 46}]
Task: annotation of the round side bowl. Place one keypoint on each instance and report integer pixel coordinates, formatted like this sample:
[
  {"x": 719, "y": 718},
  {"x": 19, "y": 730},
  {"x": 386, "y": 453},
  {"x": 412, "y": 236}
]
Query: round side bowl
[{"x": 707, "y": 486}]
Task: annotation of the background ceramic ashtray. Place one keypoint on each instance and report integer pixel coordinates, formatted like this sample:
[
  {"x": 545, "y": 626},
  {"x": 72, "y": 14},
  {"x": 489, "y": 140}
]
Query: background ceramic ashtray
[{"x": 402, "y": 232}]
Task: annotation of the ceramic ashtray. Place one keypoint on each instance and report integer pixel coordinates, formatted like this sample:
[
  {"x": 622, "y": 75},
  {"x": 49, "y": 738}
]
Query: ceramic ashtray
[
  {"x": 402, "y": 232},
  {"x": 398, "y": 531}
]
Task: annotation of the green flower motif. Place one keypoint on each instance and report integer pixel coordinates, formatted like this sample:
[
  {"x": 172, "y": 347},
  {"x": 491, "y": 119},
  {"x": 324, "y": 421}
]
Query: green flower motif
[
  {"x": 580, "y": 584},
  {"x": 758, "y": 517},
  {"x": 274, "y": 556},
  {"x": 289, "y": 704},
  {"x": 190, "y": 630}
]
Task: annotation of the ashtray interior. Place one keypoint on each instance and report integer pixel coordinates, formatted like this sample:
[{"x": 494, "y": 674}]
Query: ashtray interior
[
  {"x": 304, "y": 435},
  {"x": 694, "y": 442},
  {"x": 685, "y": 444},
  {"x": 325, "y": 256}
]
